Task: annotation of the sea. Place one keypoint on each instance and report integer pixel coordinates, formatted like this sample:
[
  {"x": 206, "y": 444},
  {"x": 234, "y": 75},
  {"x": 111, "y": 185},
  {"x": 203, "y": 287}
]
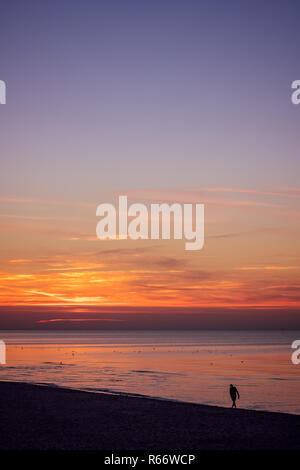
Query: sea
[{"x": 190, "y": 366}]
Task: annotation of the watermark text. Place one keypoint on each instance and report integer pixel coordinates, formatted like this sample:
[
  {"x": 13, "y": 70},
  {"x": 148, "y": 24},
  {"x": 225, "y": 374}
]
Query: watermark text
[
  {"x": 2, "y": 92},
  {"x": 163, "y": 221}
]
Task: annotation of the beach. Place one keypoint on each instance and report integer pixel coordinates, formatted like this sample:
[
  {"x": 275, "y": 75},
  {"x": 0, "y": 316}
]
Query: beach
[
  {"x": 188, "y": 366},
  {"x": 40, "y": 417}
]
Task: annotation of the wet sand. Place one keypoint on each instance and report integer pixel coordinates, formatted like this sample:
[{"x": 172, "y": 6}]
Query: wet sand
[{"x": 42, "y": 417}]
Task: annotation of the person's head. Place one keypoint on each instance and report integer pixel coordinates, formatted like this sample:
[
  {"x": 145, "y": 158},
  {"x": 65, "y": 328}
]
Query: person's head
[{"x": 231, "y": 385}]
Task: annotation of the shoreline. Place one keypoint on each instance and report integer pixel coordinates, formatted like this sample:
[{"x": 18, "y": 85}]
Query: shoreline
[
  {"x": 138, "y": 396},
  {"x": 56, "y": 418}
]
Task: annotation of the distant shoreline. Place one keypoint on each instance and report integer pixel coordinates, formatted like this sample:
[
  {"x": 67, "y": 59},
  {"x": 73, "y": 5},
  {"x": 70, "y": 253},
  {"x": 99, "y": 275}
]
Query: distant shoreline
[
  {"x": 104, "y": 392},
  {"x": 52, "y": 418}
]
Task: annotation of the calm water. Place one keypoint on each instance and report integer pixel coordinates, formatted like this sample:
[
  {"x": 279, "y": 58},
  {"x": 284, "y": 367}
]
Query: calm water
[{"x": 188, "y": 365}]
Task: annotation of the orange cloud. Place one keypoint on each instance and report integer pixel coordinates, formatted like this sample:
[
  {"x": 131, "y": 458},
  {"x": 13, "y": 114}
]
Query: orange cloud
[{"x": 250, "y": 258}]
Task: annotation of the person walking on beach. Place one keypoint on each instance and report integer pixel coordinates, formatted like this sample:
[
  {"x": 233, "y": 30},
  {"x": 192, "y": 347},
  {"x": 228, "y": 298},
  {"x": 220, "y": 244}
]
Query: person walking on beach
[{"x": 233, "y": 393}]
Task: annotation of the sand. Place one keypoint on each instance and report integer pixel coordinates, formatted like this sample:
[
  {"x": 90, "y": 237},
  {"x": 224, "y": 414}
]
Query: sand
[{"x": 44, "y": 417}]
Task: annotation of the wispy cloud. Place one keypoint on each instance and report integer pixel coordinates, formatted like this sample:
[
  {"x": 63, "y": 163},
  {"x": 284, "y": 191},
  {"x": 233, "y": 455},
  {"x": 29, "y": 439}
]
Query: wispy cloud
[
  {"x": 31, "y": 201},
  {"x": 213, "y": 197},
  {"x": 268, "y": 268},
  {"x": 67, "y": 320}
]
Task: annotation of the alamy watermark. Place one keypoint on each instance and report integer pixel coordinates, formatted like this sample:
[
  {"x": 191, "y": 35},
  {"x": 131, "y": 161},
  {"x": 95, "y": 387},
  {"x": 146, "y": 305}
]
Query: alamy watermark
[
  {"x": 2, "y": 92},
  {"x": 163, "y": 221},
  {"x": 2, "y": 352},
  {"x": 296, "y": 354},
  {"x": 295, "y": 97}
]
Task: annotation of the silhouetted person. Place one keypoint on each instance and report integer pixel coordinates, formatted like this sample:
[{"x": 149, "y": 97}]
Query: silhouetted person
[{"x": 233, "y": 393}]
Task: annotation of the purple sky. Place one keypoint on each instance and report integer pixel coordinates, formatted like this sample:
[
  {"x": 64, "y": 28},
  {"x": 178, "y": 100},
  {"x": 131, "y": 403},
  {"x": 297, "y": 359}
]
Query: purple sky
[{"x": 162, "y": 93}]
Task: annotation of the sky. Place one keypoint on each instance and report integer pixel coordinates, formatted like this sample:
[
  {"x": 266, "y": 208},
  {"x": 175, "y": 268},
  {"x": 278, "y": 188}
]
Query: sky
[{"x": 163, "y": 101}]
